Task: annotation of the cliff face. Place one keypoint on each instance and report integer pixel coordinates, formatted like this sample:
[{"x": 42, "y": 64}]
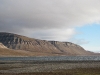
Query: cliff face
[{"x": 18, "y": 42}]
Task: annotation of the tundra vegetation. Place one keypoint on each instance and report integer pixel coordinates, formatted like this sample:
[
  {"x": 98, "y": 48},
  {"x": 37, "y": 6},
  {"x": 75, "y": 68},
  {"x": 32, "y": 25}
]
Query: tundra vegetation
[{"x": 63, "y": 68}]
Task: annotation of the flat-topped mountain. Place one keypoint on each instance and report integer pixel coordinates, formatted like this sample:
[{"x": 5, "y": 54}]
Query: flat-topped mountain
[{"x": 19, "y": 42}]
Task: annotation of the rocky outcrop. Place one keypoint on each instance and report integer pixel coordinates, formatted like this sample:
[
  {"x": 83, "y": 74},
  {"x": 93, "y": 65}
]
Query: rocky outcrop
[{"x": 18, "y": 42}]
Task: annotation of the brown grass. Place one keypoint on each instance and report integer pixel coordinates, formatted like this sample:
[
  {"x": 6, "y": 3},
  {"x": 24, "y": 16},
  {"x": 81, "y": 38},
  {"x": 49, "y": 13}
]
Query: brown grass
[{"x": 10, "y": 52}]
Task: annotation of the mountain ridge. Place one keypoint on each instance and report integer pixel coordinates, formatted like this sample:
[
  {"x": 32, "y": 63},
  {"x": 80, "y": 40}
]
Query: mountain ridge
[{"x": 19, "y": 42}]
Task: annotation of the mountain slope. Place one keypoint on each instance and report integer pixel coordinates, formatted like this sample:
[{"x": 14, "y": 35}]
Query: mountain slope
[
  {"x": 4, "y": 51},
  {"x": 2, "y": 46},
  {"x": 70, "y": 48},
  {"x": 11, "y": 52},
  {"x": 18, "y": 42},
  {"x": 14, "y": 41}
]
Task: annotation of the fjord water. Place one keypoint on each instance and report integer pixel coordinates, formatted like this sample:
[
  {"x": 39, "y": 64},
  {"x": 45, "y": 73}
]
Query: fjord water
[{"x": 52, "y": 58}]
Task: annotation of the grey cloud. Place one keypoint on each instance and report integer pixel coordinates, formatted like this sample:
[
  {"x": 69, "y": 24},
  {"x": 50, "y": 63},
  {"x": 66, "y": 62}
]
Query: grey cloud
[
  {"x": 30, "y": 16},
  {"x": 54, "y": 34}
]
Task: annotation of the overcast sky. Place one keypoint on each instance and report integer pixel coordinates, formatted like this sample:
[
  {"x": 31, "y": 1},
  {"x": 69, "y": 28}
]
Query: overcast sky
[{"x": 77, "y": 21}]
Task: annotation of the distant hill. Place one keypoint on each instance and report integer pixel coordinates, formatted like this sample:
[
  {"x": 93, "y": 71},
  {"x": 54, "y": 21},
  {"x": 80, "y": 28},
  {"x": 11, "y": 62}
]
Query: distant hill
[{"x": 40, "y": 47}]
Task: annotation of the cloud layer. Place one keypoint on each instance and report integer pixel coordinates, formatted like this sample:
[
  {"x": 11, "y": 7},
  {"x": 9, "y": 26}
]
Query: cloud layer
[{"x": 47, "y": 19}]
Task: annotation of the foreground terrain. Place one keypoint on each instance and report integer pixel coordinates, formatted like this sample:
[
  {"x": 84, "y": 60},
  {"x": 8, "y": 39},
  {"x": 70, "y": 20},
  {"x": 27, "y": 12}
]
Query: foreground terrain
[
  {"x": 49, "y": 68},
  {"x": 79, "y": 71}
]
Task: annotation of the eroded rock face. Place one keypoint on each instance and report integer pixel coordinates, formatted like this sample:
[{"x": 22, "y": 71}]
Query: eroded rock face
[{"x": 14, "y": 41}]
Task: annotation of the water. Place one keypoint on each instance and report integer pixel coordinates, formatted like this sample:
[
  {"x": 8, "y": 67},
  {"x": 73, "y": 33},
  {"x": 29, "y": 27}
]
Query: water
[{"x": 52, "y": 58}]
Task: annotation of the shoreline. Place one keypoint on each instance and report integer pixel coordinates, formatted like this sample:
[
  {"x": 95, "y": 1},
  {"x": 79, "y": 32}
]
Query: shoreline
[{"x": 38, "y": 65}]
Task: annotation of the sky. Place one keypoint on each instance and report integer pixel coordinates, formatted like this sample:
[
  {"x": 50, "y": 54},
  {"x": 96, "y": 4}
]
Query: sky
[{"x": 76, "y": 21}]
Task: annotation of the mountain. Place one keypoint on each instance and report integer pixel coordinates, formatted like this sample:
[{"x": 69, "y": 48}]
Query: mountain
[
  {"x": 23, "y": 43},
  {"x": 4, "y": 51}
]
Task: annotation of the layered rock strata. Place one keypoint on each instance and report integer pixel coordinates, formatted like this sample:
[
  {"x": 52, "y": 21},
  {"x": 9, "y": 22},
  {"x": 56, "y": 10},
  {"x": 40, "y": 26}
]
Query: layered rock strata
[{"x": 18, "y": 42}]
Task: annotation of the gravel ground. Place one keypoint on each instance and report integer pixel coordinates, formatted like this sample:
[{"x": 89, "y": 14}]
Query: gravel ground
[{"x": 44, "y": 67}]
